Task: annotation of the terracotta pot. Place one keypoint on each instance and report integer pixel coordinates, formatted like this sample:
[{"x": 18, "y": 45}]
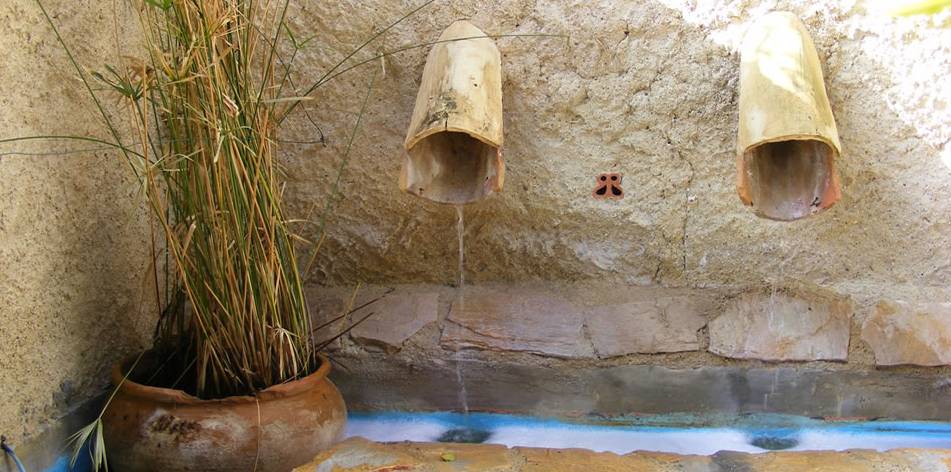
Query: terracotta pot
[
  {"x": 788, "y": 142},
  {"x": 454, "y": 142},
  {"x": 150, "y": 428}
]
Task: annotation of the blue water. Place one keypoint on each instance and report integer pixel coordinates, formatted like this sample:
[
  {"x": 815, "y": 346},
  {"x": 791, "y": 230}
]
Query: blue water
[
  {"x": 62, "y": 464},
  {"x": 755, "y": 434}
]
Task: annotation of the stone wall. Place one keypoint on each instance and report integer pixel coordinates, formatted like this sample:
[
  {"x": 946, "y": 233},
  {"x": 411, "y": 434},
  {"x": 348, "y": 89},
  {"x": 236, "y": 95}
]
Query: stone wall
[
  {"x": 649, "y": 89},
  {"x": 602, "y": 350}
]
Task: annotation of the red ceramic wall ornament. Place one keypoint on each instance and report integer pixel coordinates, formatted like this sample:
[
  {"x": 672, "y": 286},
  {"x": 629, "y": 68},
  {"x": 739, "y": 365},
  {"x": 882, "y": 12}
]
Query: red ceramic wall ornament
[{"x": 608, "y": 187}]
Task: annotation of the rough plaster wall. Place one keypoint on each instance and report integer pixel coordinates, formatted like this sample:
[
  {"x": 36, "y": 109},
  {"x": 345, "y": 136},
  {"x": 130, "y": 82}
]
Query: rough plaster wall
[
  {"x": 648, "y": 89},
  {"x": 72, "y": 236}
]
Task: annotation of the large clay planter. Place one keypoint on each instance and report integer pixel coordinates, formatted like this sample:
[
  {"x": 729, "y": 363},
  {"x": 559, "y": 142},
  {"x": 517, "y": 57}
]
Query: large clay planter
[
  {"x": 788, "y": 142},
  {"x": 454, "y": 142},
  {"x": 151, "y": 429}
]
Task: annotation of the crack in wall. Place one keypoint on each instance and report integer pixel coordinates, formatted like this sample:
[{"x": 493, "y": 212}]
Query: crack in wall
[
  {"x": 686, "y": 203},
  {"x": 586, "y": 335}
]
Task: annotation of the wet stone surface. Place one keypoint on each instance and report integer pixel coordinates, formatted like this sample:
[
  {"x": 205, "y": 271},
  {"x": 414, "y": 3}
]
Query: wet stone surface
[
  {"x": 563, "y": 390},
  {"x": 464, "y": 435},
  {"x": 774, "y": 443}
]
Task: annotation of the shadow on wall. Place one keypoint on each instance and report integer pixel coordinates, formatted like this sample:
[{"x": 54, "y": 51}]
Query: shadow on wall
[{"x": 73, "y": 236}]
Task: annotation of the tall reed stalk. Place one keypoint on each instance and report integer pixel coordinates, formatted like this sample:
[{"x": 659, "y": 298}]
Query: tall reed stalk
[{"x": 203, "y": 106}]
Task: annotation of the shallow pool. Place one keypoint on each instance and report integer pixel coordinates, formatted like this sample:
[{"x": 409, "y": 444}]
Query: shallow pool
[{"x": 746, "y": 434}]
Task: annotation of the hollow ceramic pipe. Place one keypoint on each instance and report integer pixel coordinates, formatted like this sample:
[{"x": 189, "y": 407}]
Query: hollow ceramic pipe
[
  {"x": 788, "y": 142},
  {"x": 454, "y": 143}
]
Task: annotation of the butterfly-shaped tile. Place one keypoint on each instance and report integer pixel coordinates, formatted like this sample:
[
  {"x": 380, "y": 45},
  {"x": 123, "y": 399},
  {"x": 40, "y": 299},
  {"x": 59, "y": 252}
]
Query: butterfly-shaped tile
[{"x": 608, "y": 187}]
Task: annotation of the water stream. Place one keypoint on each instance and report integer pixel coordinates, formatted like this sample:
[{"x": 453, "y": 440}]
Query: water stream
[
  {"x": 747, "y": 433},
  {"x": 461, "y": 381},
  {"x": 460, "y": 300},
  {"x": 460, "y": 232}
]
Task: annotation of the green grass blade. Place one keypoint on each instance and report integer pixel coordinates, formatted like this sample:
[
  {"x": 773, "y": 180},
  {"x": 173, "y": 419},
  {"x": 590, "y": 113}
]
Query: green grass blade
[
  {"x": 82, "y": 76},
  {"x": 341, "y": 170},
  {"x": 359, "y": 48}
]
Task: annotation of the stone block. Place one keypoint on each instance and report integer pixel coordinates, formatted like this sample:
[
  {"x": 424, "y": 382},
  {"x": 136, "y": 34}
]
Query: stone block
[
  {"x": 536, "y": 320},
  {"x": 800, "y": 326},
  {"x": 905, "y": 333},
  {"x": 395, "y": 318},
  {"x": 655, "y": 324}
]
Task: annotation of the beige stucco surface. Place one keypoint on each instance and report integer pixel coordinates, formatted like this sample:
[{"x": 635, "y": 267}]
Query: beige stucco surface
[
  {"x": 644, "y": 88},
  {"x": 72, "y": 238},
  {"x": 647, "y": 89}
]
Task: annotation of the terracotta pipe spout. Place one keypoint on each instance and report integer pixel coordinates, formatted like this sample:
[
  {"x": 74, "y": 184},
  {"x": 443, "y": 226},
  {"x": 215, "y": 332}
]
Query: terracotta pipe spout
[
  {"x": 788, "y": 142},
  {"x": 454, "y": 143}
]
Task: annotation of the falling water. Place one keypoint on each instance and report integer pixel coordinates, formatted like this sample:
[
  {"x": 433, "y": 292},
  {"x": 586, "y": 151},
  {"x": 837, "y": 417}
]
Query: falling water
[
  {"x": 780, "y": 249},
  {"x": 460, "y": 300},
  {"x": 463, "y": 396},
  {"x": 460, "y": 231}
]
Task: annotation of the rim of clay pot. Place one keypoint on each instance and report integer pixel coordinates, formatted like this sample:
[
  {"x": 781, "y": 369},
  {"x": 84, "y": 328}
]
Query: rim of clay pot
[{"x": 180, "y": 397}]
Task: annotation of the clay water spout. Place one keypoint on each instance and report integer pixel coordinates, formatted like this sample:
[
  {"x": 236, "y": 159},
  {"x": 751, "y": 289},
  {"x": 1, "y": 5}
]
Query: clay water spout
[
  {"x": 788, "y": 142},
  {"x": 454, "y": 142}
]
